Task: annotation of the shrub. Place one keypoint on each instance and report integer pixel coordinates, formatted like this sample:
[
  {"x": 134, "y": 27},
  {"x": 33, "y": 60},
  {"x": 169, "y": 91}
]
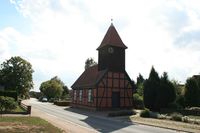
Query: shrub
[
  {"x": 176, "y": 116},
  {"x": 138, "y": 101},
  {"x": 7, "y": 103},
  {"x": 62, "y": 103},
  {"x": 154, "y": 115},
  {"x": 12, "y": 94},
  {"x": 145, "y": 113},
  {"x": 162, "y": 116},
  {"x": 185, "y": 119},
  {"x": 122, "y": 113},
  {"x": 10, "y": 104}
]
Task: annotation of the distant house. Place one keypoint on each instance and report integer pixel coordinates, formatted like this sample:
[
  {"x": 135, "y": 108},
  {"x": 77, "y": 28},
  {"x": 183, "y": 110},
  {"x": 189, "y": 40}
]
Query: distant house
[{"x": 106, "y": 85}]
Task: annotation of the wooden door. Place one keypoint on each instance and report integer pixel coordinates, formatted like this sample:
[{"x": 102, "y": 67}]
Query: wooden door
[{"x": 115, "y": 99}]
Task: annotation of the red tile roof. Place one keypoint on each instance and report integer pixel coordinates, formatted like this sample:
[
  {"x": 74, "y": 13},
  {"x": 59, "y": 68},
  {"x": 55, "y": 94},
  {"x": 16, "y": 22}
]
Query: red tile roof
[
  {"x": 89, "y": 78},
  {"x": 112, "y": 38}
]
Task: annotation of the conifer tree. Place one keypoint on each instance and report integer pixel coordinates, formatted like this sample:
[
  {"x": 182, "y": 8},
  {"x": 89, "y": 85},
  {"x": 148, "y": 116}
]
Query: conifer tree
[
  {"x": 158, "y": 92},
  {"x": 151, "y": 86},
  {"x": 192, "y": 92},
  {"x": 166, "y": 92}
]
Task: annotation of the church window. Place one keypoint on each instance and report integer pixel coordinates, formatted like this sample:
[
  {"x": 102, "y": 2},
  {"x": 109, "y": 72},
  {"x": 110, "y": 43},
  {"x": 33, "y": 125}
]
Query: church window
[
  {"x": 80, "y": 95},
  {"x": 74, "y": 95},
  {"x": 90, "y": 98}
]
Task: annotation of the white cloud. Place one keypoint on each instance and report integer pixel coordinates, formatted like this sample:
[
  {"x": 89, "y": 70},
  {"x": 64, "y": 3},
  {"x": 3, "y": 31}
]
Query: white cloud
[
  {"x": 4, "y": 49},
  {"x": 66, "y": 32}
]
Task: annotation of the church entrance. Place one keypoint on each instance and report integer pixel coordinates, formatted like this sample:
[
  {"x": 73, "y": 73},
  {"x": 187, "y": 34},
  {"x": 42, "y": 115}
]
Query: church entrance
[{"x": 115, "y": 99}]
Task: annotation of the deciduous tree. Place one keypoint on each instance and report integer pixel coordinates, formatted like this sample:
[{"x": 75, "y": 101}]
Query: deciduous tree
[
  {"x": 52, "y": 88},
  {"x": 89, "y": 62},
  {"x": 16, "y": 74}
]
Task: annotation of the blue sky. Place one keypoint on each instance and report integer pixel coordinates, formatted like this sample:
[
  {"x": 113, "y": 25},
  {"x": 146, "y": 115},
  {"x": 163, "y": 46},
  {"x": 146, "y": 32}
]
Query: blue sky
[
  {"x": 10, "y": 17},
  {"x": 57, "y": 36}
]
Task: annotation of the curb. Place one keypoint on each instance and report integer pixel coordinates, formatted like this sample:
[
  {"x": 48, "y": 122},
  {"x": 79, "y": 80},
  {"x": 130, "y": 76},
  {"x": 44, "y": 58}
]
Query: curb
[
  {"x": 141, "y": 123},
  {"x": 158, "y": 126}
]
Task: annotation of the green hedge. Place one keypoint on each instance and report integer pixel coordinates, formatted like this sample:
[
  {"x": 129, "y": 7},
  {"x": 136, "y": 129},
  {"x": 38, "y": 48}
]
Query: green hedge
[
  {"x": 191, "y": 111},
  {"x": 145, "y": 113},
  {"x": 122, "y": 113},
  {"x": 12, "y": 94},
  {"x": 62, "y": 103},
  {"x": 176, "y": 116}
]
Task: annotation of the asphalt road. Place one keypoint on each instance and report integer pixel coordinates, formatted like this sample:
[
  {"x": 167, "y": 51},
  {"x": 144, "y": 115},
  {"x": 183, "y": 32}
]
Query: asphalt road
[{"x": 97, "y": 121}]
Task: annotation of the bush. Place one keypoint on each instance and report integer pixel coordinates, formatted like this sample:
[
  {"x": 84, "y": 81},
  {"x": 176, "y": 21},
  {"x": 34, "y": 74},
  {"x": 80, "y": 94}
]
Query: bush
[
  {"x": 12, "y": 94},
  {"x": 145, "y": 113},
  {"x": 176, "y": 116},
  {"x": 10, "y": 104},
  {"x": 122, "y": 113},
  {"x": 62, "y": 103},
  {"x": 138, "y": 101},
  {"x": 7, "y": 103},
  {"x": 185, "y": 119},
  {"x": 154, "y": 115},
  {"x": 162, "y": 116}
]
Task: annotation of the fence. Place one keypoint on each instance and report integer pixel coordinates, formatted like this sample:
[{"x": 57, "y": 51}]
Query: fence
[{"x": 26, "y": 107}]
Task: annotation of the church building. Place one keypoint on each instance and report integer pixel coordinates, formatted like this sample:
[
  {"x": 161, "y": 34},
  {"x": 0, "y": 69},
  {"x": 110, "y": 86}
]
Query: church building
[{"x": 106, "y": 85}]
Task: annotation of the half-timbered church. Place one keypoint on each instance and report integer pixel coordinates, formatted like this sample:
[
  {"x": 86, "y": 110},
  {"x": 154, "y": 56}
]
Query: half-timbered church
[{"x": 106, "y": 85}]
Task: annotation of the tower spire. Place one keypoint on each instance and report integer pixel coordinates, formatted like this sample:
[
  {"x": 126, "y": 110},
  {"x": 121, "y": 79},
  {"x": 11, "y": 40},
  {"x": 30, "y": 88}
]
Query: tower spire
[{"x": 112, "y": 38}]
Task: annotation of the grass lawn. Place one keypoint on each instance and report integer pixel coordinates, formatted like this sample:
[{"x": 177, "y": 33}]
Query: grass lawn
[
  {"x": 26, "y": 124},
  {"x": 19, "y": 109}
]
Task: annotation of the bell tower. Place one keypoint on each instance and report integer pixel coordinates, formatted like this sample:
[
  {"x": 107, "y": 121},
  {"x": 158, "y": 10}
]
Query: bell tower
[{"x": 111, "y": 52}]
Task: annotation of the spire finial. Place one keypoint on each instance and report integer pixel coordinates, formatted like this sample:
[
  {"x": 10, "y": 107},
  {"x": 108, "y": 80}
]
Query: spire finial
[{"x": 112, "y": 21}]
